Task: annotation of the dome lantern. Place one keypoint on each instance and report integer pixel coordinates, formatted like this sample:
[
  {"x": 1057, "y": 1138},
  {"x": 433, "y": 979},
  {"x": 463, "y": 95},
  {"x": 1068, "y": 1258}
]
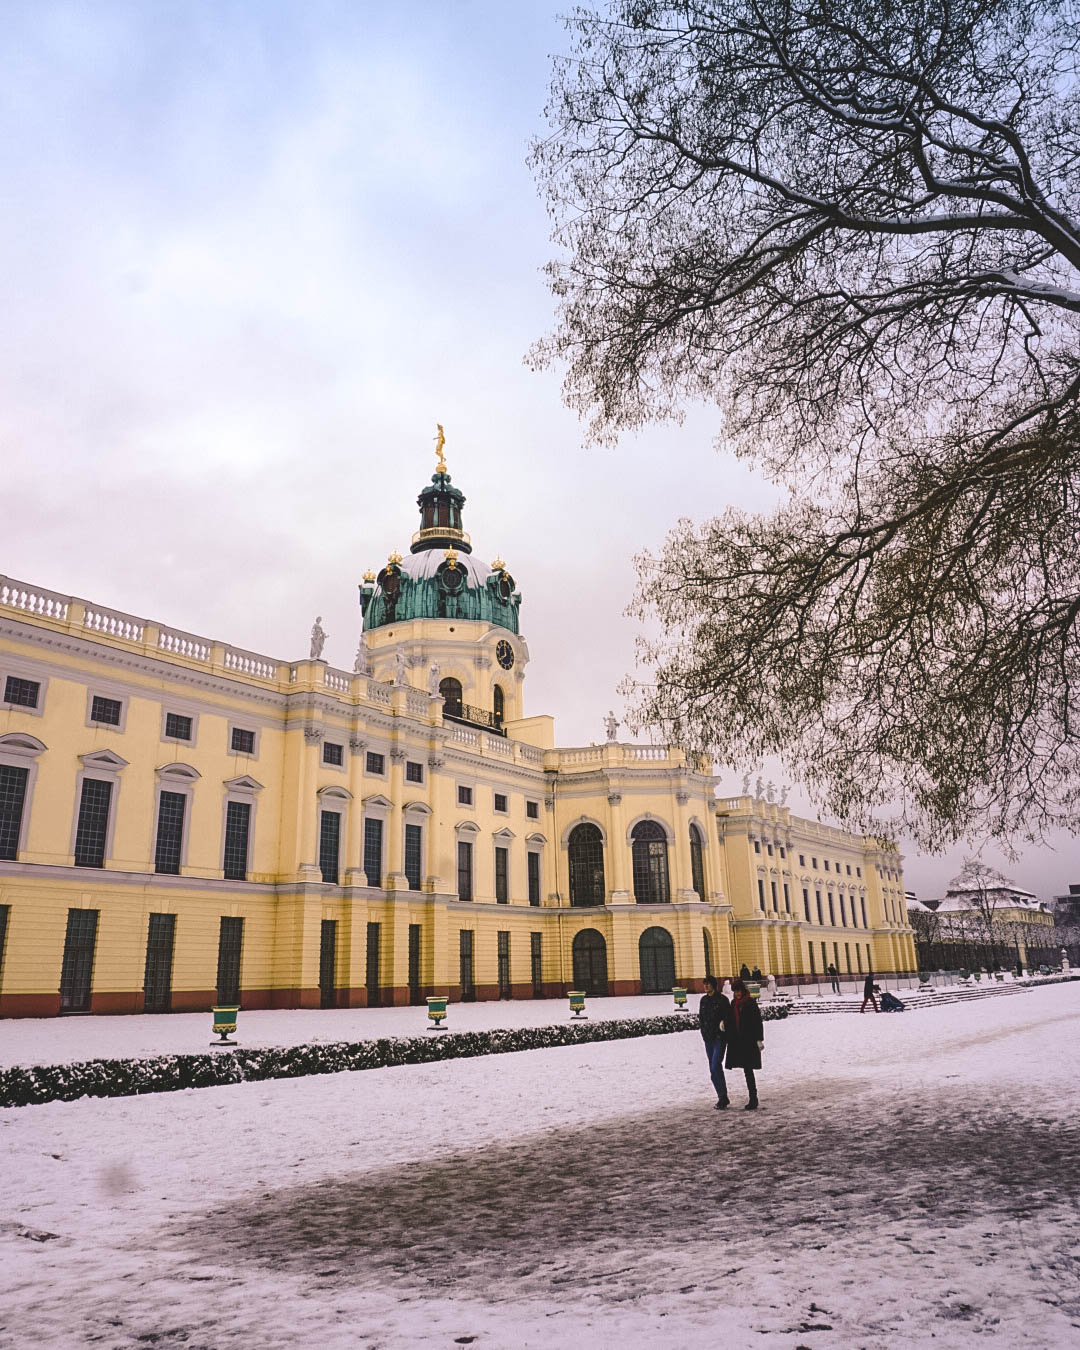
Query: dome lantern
[{"x": 440, "y": 506}]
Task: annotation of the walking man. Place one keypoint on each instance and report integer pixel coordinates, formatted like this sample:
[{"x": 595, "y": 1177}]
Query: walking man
[
  {"x": 834, "y": 976},
  {"x": 713, "y": 1011},
  {"x": 745, "y": 1038},
  {"x": 868, "y": 993}
]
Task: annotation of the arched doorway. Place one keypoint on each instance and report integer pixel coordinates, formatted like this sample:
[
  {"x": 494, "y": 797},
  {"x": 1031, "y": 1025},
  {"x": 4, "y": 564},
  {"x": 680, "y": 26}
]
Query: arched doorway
[
  {"x": 498, "y": 705},
  {"x": 649, "y": 852},
  {"x": 656, "y": 956},
  {"x": 586, "y": 850},
  {"x": 450, "y": 689},
  {"x": 590, "y": 961}
]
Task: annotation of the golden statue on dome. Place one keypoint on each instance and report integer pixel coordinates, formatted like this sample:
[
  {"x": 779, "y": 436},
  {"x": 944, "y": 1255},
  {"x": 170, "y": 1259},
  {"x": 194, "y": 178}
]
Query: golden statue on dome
[{"x": 440, "y": 458}]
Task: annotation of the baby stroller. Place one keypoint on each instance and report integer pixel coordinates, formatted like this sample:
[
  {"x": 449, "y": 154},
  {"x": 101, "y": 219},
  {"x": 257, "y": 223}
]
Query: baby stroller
[{"x": 890, "y": 1003}]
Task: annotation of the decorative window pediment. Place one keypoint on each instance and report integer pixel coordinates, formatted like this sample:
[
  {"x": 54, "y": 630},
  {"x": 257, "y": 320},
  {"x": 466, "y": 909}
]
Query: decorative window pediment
[
  {"x": 536, "y": 839},
  {"x": 417, "y": 809},
  {"x": 184, "y": 771},
  {"x": 19, "y": 743},
  {"x": 505, "y": 834},
  {"x": 468, "y": 827},
  {"x": 377, "y": 800},
  {"x": 104, "y": 759},
  {"x": 245, "y": 783},
  {"x": 339, "y": 793}
]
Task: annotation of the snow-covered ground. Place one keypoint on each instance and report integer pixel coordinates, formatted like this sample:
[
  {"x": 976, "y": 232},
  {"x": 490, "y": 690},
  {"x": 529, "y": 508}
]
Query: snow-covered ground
[
  {"x": 63, "y": 1040},
  {"x": 910, "y": 1181}
]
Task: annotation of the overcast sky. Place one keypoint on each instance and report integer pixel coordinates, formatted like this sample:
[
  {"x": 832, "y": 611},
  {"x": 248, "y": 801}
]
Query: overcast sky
[{"x": 253, "y": 252}]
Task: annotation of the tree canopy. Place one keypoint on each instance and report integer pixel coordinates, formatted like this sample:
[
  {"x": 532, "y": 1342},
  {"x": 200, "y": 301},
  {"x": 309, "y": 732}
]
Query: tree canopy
[{"x": 851, "y": 225}]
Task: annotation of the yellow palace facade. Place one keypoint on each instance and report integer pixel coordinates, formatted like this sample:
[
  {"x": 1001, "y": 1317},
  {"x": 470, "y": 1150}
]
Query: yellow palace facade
[{"x": 183, "y": 822}]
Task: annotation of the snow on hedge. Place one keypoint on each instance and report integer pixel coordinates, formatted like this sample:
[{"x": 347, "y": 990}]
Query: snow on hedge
[{"x": 35, "y": 1084}]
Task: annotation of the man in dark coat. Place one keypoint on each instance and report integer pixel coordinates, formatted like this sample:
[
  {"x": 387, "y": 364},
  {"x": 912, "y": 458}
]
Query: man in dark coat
[
  {"x": 868, "y": 993},
  {"x": 834, "y": 976},
  {"x": 745, "y": 1038},
  {"x": 713, "y": 1011}
]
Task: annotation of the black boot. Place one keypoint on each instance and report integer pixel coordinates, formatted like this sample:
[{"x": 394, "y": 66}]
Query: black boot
[
  {"x": 751, "y": 1105},
  {"x": 722, "y": 1103}
]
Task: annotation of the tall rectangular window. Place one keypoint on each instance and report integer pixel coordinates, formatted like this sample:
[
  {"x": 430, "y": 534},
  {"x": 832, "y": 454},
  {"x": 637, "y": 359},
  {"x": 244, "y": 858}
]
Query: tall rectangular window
[
  {"x": 373, "y": 850},
  {"x": 5, "y": 910},
  {"x": 237, "y": 837},
  {"x": 806, "y": 904},
  {"x": 106, "y": 710},
  {"x": 772, "y": 885},
  {"x": 502, "y": 869},
  {"x": 820, "y": 915},
  {"x": 862, "y": 903},
  {"x": 465, "y": 963},
  {"x": 858, "y": 956},
  {"x": 532, "y": 860},
  {"x": 810, "y": 949},
  {"x": 92, "y": 830},
  {"x": 230, "y": 949},
  {"x": 329, "y": 845},
  {"x": 77, "y": 969},
  {"x": 824, "y": 960},
  {"x": 413, "y": 855},
  {"x": 832, "y": 910},
  {"x": 847, "y": 956},
  {"x": 12, "y": 800},
  {"x": 328, "y": 964},
  {"x": 503, "y": 953},
  {"x": 169, "y": 847},
  {"x": 536, "y": 961},
  {"x": 843, "y": 912},
  {"x": 836, "y": 955},
  {"x": 415, "y": 992},
  {"x": 178, "y": 727},
  {"x": 787, "y": 899},
  {"x": 157, "y": 974},
  {"x": 22, "y": 693},
  {"x": 374, "y": 989},
  {"x": 464, "y": 870},
  {"x": 761, "y": 893}
]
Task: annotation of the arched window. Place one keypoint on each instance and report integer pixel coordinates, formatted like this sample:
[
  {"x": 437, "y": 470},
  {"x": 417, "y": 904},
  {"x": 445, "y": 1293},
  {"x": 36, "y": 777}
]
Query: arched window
[
  {"x": 586, "y": 848},
  {"x": 697, "y": 862},
  {"x": 498, "y": 704},
  {"x": 656, "y": 956},
  {"x": 708, "y": 952},
  {"x": 649, "y": 849},
  {"x": 590, "y": 961},
  {"x": 450, "y": 689}
]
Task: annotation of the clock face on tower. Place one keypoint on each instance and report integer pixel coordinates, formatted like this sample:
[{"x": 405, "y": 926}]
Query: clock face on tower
[{"x": 504, "y": 654}]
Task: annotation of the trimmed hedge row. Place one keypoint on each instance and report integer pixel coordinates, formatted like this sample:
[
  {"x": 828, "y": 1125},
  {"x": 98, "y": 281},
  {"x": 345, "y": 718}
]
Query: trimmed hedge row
[{"x": 35, "y": 1084}]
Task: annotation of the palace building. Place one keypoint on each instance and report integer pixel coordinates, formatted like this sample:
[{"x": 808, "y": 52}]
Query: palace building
[{"x": 183, "y": 822}]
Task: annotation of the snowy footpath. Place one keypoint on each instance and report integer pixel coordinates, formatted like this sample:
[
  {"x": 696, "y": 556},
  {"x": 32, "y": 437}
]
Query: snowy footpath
[{"x": 910, "y": 1181}]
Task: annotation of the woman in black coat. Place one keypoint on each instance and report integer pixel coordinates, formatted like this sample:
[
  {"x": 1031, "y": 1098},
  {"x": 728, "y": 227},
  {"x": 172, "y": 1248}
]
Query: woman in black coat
[{"x": 745, "y": 1038}]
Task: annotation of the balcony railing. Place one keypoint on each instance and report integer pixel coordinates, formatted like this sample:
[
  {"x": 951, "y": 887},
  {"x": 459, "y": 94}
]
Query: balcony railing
[{"x": 473, "y": 716}]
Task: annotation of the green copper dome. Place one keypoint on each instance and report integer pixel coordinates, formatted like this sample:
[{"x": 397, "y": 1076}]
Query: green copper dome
[{"x": 440, "y": 580}]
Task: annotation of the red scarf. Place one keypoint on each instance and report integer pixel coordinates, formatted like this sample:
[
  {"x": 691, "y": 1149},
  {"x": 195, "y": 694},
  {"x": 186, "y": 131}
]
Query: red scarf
[{"x": 737, "y": 1004}]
